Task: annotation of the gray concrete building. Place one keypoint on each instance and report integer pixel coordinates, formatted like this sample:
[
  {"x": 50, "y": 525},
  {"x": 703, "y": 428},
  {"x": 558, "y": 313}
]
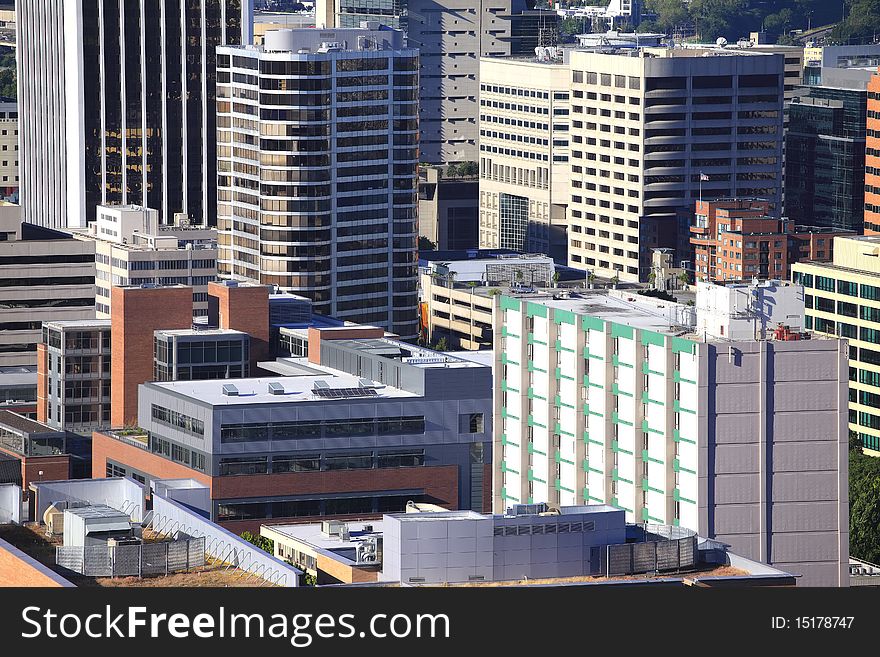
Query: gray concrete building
[
  {"x": 451, "y": 36},
  {"x": 359, "y": 428},
  {"x": 448, "y": 209},
  {"x": 45, "y": 275}
]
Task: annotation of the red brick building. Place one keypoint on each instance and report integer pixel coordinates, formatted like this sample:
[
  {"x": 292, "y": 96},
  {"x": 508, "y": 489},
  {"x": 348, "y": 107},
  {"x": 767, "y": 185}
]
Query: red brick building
[
  {"x": 872, "y": 159},
  {"x": 737, "y": 239}
]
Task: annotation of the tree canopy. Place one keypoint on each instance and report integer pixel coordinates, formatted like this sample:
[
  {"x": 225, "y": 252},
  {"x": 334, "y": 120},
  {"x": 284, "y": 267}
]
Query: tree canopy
[
  {"x": 864, "y": 505},
  {"x": 735, "y": 19}
]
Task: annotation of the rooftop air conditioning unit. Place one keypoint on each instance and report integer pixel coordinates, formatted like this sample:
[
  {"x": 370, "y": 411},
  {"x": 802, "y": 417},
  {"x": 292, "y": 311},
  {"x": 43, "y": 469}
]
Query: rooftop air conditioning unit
[{"x": 369, "y": 551}]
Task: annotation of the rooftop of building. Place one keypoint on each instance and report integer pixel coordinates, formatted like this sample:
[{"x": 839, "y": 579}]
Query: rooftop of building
[
  {"x": 78, "y": 324},
  {"x": 620, "y": 307},
  {"x": 200, "y": 332},
  {"x": 18, "y": 422},
  {"x": 331, "y": 385},
  {"x": 32, "y": 540}
]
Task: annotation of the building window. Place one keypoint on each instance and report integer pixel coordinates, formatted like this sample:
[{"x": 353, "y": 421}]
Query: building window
[{"x": 471, "y": 423}]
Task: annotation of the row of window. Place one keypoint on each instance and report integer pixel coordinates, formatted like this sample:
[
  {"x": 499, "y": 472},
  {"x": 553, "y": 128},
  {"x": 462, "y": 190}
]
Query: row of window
[
  {"x": 178, "y": 421},
  {"x": 253, "y": 465}
]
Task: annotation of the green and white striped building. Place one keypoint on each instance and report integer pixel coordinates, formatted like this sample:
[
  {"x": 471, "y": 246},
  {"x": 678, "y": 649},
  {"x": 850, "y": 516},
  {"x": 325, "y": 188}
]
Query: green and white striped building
[{"x": 611, "y": 398}]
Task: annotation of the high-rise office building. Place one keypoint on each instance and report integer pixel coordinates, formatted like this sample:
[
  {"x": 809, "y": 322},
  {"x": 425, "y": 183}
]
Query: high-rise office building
[
  {"x": 318, "y": 150},
  {"x": 451, "y": 36},
  {"x": 132, "y": 248},
  {"x": 652, "y": 133},
  {"x": 825, "y": 152},
  {"x": 525, "y": 175},
  {"x": 129, "y": 115}
]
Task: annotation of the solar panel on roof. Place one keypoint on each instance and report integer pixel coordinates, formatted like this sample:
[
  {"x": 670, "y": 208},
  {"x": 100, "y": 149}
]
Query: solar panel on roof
[{"x": 345, "y": 393}]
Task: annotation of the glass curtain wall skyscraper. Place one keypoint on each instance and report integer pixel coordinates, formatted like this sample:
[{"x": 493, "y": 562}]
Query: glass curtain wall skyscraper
[{"x": 117, "y": 105}]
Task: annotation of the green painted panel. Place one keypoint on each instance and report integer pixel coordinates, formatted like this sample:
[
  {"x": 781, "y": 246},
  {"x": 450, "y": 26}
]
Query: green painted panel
[
  {"x": 621, "y": 331},
  {"x": 536, "y": 310},
  {"x": 683, "y": 345},
  {"x": 509, "y": 303},
  {"x": 678, "y": 378},
  {"x": 651, "y": 337},
  {"x": 589, "y": 323},
  {"x": 564, "y": 316}
]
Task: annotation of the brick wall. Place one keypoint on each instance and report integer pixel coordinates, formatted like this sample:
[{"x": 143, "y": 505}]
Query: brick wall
[
  {"x": 353, "y": 333},
  {"x": 18, "y": 569},
  {"x": 135, "y": 314},
  {"x": 104, "y": 447},
  {"x": 245, "y": 308}
]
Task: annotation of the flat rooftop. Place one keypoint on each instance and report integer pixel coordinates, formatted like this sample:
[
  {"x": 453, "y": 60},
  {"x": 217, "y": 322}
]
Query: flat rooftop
[
  {"x": 630, "y": 309},
  {"x": 295, "y": 389},
  {"x": 79, "y": 324},
  {"x": 98, "y": 511},
  {"x": 216, "y": 331},
  {"x": 404, "y": 352},
  {"x": 311, "y": 534}
]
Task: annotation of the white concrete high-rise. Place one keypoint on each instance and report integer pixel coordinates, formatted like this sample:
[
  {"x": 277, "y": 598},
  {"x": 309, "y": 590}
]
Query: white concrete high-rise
[{"x": 116, "y": 103}]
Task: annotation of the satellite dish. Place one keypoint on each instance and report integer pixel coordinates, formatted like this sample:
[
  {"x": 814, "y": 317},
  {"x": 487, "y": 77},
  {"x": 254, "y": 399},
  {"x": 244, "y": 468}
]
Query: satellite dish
[{"x": 721, "y": 42}]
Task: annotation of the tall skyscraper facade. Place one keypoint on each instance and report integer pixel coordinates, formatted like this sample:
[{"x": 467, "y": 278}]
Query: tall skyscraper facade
[
  {"x": 653, "y": 132},
  {"x": 116, "y": 104},
  {"x": 451, "y": 36},
  {"x": 825, "y": 152},
  {"x": 318, "y": 149}
]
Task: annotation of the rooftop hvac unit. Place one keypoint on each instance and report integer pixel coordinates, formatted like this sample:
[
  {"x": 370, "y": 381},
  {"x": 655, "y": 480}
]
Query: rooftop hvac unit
[
  {"x": 276, "y": 388},
  {"x": 124, "y": 540},
  {"x": 332, "y": 528},
  {"x": 230, "y": 390},
  {"x": 54, "y": 520},
  {"x": 369, "y": 551}
]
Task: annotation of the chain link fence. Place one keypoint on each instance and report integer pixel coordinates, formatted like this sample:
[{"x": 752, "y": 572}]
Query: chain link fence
[
  {"x": 132, "y": 560},
  {"x": 652, "y": 556}
]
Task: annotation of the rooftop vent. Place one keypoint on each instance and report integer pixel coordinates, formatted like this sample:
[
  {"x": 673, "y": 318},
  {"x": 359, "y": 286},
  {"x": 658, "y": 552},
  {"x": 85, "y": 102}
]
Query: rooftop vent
[
  {"x": 366, "y": 383},
  {"x": 320, "y": 385},
  {"x": 276, "y": 388},
  {"x": 230, "y": 390}
]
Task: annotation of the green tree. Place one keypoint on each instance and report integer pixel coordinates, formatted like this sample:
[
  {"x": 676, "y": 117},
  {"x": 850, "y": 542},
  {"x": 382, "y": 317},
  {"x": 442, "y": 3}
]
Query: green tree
[
  {"x": 441, "y": 344},
  {"x": 468, "y": 169},
  {"x": 864, "y": 504},
  {"x": 426, "y": 245},
  {"x": 452, "y": 170},
  {"x": 861, "y": 25},
  {"x": 266, "y": 544}
]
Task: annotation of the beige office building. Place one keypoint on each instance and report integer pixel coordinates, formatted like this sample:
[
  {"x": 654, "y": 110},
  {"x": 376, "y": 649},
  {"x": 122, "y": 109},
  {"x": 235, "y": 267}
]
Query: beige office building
[
  {"x": 524, "y": 153},
  {"x": 8, "y": 150},
  {"x": 132, "y": 249},
  {"x": 654, "y": 131}
]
